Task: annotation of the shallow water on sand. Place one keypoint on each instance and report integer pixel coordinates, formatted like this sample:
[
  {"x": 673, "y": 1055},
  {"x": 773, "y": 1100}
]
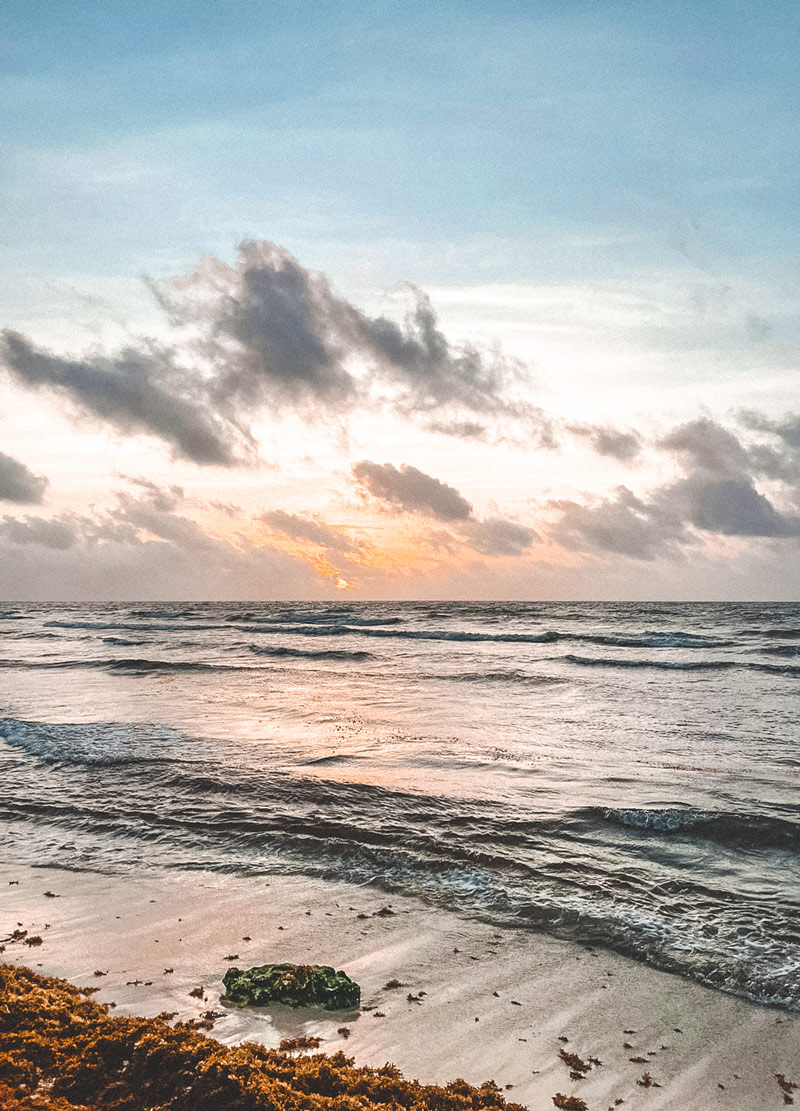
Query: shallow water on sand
[{"x": 620, "y": 774}]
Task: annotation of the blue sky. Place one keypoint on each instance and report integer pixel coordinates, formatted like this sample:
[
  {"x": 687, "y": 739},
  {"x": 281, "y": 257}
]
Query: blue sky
[
  {"x": 159, "y": 130},
  {"x": 605, "y": 192}
]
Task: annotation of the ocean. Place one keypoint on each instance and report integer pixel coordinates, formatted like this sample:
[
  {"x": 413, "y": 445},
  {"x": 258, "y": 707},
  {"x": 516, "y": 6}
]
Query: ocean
[{"x": 622, "y": 775}]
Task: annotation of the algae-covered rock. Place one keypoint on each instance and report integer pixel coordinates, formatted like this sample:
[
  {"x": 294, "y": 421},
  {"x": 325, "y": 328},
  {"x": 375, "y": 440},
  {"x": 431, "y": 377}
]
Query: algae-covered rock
[{"x": 297, "y": 985}]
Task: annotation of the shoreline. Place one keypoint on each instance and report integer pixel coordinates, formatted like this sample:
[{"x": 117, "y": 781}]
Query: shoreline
[{"x": 475, "y": 1001}]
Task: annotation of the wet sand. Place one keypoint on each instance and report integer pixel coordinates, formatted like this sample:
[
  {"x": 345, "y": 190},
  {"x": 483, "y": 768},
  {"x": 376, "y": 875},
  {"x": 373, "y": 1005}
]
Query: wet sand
[{"x": 474, "y": 1001}]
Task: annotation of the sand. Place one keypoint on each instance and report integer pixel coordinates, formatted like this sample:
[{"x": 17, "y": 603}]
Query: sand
[{"x": 489, "y": 1003}]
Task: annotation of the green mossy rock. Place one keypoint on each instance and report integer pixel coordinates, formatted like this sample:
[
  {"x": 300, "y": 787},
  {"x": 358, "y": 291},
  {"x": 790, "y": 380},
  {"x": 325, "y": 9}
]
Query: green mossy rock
[{"x": 296, "y": 985}]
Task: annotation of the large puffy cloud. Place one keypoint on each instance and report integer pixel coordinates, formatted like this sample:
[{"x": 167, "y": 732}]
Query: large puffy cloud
[
  {"x": 406, "y": 489},
  {"x": 18, "y": 484},
  {"x": 268, "y": 335},
  {"x": 716, "y": 495},
  {"x": 282, "y": 335}
]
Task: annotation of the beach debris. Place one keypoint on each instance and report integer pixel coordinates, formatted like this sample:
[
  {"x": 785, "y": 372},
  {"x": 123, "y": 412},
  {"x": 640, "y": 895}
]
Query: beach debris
[
  {"x": 288, "y": 1045},
  {"x": 563, "y": 1039},
  {"x": 212, "y": 1016},
  {"x": 197, "y": 993},
  {"x": 638, "y": 1060},
  {"x": 74, "y": 1054},
  {"x": 51, "y": 895},
  {"x": 569, "y": 1103},
  {"x": 516, "y": 1003},
  {"x": 379, "y": 1014},
  {"x": 627, "y": 1045},
  {"x": 390, "y": 984},
  {"x": 646, "y": 1081},
  {"x": 787, "y": 1087},
  {"x": 248, "y": 938},
  {"x": 414, "y": 998},
  {"x": 297, "y": 985},
  {"x": 231, "y": 957},
  {"x": 576, "y": 1064},
  {"x": 384, "y": 912},
  {"x": 99, "y": 972},
  {"x": 35, "y": 940},
  {"x": 13, "y": 883},
  {"x": 344, "y": 1031},
  {"x": 166, "y": 972}
]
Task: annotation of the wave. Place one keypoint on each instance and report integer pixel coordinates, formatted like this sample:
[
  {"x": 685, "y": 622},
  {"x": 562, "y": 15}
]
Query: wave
[
  {"x": 510, "y": 676},
  {"x": 123, "y": 642},
  {"x": 652, "y": 640},
  {"x": 122, "y": 664},
  {"x": 668, "y": 665},
  {"x": 318, "y": 619},
  {"x": 731, "y": 829},
  {"x": 168, "y": 614},
  {"x": 547, "y": 637},
  {"x": 100, "y": 744},
  {"x": 280, "y": 651}
]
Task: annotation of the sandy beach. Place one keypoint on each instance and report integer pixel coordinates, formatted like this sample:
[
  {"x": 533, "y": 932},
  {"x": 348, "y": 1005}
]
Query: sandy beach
[{"x": 475, "y": 1002}]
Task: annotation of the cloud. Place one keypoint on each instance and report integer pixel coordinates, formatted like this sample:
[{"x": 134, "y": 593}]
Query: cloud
[
  {"x": 145, "y": 546},
  {"x": 716, "y": 495},
  {"x": 137, "y": 391},
  {"x": 58, "y": 532},
  {"x": 268, "y": 335},
  {"x": 409, "y": 490},
  {"x": 305, "y": 529},
  {"x": 608, "y": 441},
  {"x": 18, "y": 484},
  {"x": 412, "y": 491},
  {"x": 498, "y": 536}
]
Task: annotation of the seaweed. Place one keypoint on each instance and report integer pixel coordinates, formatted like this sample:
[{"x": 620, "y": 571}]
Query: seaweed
[
  {"x": 61, "y": 1051},
  {"x": 296, "y": 985}
]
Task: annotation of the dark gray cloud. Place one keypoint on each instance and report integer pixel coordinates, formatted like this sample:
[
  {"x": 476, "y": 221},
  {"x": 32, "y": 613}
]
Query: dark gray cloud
[
  {"x": 18, "y": 484},
  {"x": 412, "y": 491},
  {"x": 717, "y": 495},
  {"x": 608, "y": 441},
  {"x": 266, "y": 334},
  {"x": 137, "y": 391}
]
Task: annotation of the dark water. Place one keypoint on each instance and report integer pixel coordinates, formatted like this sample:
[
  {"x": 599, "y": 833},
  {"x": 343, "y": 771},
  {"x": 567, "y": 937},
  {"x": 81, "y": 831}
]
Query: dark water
[{"x": 619, "y": 774}]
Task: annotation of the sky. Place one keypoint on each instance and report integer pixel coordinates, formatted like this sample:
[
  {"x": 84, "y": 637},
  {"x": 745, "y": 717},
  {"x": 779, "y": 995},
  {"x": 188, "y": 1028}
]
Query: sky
[{"x": 421, "y": 300}]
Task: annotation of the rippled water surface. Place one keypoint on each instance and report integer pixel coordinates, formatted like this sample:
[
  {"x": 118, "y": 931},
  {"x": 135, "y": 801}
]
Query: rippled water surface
[{"x": 620, "y": 774}]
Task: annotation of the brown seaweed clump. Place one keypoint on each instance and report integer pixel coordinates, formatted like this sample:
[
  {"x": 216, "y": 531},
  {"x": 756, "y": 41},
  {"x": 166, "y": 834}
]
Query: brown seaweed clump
[{"x": 61, "y": 1051}]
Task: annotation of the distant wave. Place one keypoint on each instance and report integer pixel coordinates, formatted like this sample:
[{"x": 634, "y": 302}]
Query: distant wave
[
  {"x": 652, "y": 640},
  {"x": 407, "y": 634},
  {"x": 683, "y": 665},
  {"x": 121, "y": 664},
  {"x": 743, "y": 830},
  {"x": 170, "y": 614},
  {"x": 668, "y": 665},
  {"x": 124, "y": 642},
  {"x": 314, "y": 619},
  {"x": 280, "y": 651},
  {"x": 489, "y": 676}
]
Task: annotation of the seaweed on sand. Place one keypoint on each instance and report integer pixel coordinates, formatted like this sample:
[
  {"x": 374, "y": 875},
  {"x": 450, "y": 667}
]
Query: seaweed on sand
[
  {"x": 60, "y": 1051},
  {"x": 296, "y": 985}
]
